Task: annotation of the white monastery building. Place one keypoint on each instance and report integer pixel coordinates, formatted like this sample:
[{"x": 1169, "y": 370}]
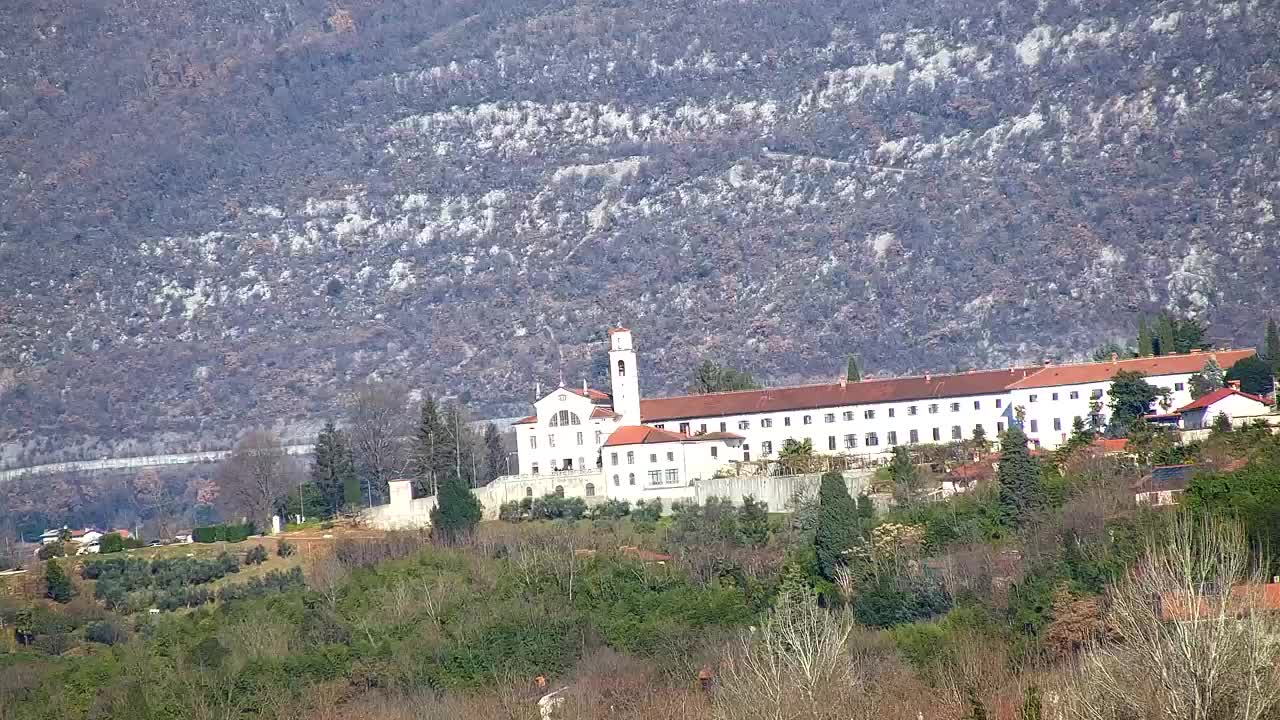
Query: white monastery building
[{"x": 636, "y": 444}]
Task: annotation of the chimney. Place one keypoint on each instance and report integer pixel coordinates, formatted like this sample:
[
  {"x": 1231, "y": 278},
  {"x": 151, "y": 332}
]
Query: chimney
[
  {"x": 1046, "y": 362},
  {"x": 1234, "y": 385},
  {"x": 1114, "y": 358},
  {"x": 927, "y": 377},
  {"x": 584, "y": 386},
  {"x": 1196, "y": 350},
  {"x": 844, "y": 381},
  {"x": 537, "y": 391}
]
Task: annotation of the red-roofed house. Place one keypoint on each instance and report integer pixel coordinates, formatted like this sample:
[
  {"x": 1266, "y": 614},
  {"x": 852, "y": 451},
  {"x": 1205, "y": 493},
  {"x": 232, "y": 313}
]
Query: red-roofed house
[
  {"x": 1239, "y": 407},
  {"x": 642, "y": 462}
]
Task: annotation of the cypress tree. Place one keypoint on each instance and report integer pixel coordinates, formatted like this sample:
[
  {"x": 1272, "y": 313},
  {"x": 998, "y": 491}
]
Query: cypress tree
[
  {"x": 837, "y": 523},
  {"x": 429, "y": 444},
  {"x": 853, "y": 373},
  {"x": 1144, "y": 338},
  {"x": 332, "y": 469},
  {"x": 1019, "y": 478},
  {"x": 903, "y": 473},
  {"x": 495, "y": 456},
  {"x": 457, "y": 510},
  {"x": 1272, "y": 346},
  {"x": 57, "y": 584},
  {"x": 1166, "y": 335}
]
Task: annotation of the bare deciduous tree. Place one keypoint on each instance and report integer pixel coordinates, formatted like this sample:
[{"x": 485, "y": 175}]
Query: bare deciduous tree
[
  {"x": 255, "y": 476},
  {"x": 1192, "y": 636},
  {"x": 378, "y": 427}
]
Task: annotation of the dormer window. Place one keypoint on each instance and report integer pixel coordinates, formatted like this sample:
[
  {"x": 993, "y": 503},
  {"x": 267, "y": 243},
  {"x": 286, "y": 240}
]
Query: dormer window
[{"x": 622, "y": 368}]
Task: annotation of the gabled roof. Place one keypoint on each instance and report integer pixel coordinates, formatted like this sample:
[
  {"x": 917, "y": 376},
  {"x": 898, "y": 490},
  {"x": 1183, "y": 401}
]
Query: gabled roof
[
  {"x": 642, "y": 435},
  {"x": 1205, "y": 401},
  {"x": 812, "y": 397},
  {"x": 603, "y": 412},
  {"x": 1166, "y": 477},
  {"x": 1081, "y": 373},
  {"x": 591, "y": 394}
]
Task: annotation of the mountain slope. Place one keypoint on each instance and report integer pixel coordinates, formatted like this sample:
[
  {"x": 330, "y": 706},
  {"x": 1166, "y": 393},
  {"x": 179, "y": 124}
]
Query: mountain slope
[{"x": 223, "y": 216}]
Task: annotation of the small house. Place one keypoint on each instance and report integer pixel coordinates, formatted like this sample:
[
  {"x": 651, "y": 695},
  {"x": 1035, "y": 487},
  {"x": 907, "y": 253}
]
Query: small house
[
  {"x": 1163, "y": 485},
  {"x": 1238, "y": 406}
]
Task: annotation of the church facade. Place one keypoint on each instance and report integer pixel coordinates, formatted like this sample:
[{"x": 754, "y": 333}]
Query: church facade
[{"x": 636, "y": 447}]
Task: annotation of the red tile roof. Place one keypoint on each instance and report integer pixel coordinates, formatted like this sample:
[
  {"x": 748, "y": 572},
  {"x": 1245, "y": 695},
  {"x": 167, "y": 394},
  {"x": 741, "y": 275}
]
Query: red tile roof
[
  {"x": 1178, "y": 606},
  {"x": 806, "y": 397},
  {"x": 641, "y": 434},
  {"x": 718, "y": 436},
  {"x": 1080, "y": 373},
  {"x": 591, "y": 393},
  {"x": 602, "y": 412},
  {"x": 1205, "y": 401},
  {"x": 1109, "y": 446},
  {"x": 526, "y": 420}
]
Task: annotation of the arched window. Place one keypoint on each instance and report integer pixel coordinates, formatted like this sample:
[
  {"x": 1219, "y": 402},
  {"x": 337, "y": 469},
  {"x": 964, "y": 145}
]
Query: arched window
[
  {"x": 616, "y": 481},
  {"x": 591, "y": 490},
  {"x": 631, "y": 478},
  {"x": 528, "y": 491},
  {"x": 559, "y": 491},
  {"x": 565, "y": 418},
  {"x": 622, "y": 368}
]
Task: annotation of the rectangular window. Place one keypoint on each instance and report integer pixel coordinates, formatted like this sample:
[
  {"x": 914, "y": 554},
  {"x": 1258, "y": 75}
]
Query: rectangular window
[
  {"x": 1178, "y": 387},
  {"x": 613, "y": 458},
  {"x": 724, "y": 427},
  {"x": 671, "y": 456},
  {"x": 912, "y": 409},
  {"x": 684, "y": 428},
  {"x": 1033, "y": 398},
  {"x": 580, "y": 442},
  {"x": 655, "y": 477},
  {"x": 977, "y": 429},
  {"x": 653, "y": 457},
  {"x": 533, "y": 442},
  {"x": 831, "y": 442},
  {"x": 766, "y": 423},
  {"x": 1095, "y": 394},
  {"x": 999, "y": 403},
  {"x": 937, "y": 434},
  {"x": 850, "y": 442},
  {"x": 1035, "y": 426},
  {"x": 956, "y": 432},
  {"x": 786, "y": 421},
  {"x": 869, "y": 414},
  {"x": 660, "y": 426},
  {"x": 914, "y": 435},
  {"x": 1057, "y": 423},
  {"x": 871, "y": 440},
  {"x": 715, "y": 451},
  {"x": 1055, "y": 397},
  {"x": 977, "y": 404},
  {"x": 551, "y": 441},
  {"x": 892, "y": 437},
  {"x": 891, "y": 412},
  {"x": 599, "y": 437},
  {"x": 673, "y": 477},
  {"x": 808, "y": 419},
  {"x": 1073, "y": 395},
  {"x": 955, "y": 407},
  {"x": 631, "y": 457},
  {"x": 933, "y": 408},
  {"x": 829, "y": 417},
  {"x": 848, "y": 415},
  {"x": 535, "y": 468},
  {"x": 744, "y": 424},
  {"x": 702, "y": 427},
  {"x": 999, "y": 427},
  {"x": 766, "y": 448}
]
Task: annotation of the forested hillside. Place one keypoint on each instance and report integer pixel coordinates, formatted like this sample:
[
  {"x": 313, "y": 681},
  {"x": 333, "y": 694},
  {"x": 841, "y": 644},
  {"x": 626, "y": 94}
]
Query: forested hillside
[{"x": 224, "y": 213}]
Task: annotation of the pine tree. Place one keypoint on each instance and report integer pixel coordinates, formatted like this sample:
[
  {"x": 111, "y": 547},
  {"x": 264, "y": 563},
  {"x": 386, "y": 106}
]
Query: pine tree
[
  {"x": 429, "y": 443},
  {"x": 1144, "y": 338},
  {"x": 1272, "y": 346},
  {"x": 1019, "y": 478},
  {"x": 837, "y": 523},
  {"x": 853, "y": 373},
  {"x": 1080, "y": 435},
  {"x": 333, "y": 469},
  {"x": 1131, "y": 397},
  {"x": 57, "y": 585},
  {"x": 457, "y": 510},
  {"x": 753, "y": 522},
  {"x": 906, "y": 481},
  {"x": 495, "y": 456},
  {"x": 1207, "y": 379},
  {"x": 1221, "y": 424}
]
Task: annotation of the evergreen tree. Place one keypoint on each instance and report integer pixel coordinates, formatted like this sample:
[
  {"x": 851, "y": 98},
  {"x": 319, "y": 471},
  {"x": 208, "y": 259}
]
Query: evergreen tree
[
  {"x": 495, "y": 456},
  {"x": 712, "y": 378},
  {"x": 1207, "y": 379},
  {"x": 57, "y": 584},
  {"x": 333, "y": 469},
  {"x": 430, "y": 446},
  {"x": 753, "y": 522},
  {"x": 1272, "y": 346},
  {"x": 1019, "y": 478},
  {"x": 866, "y": 508},
  {"x": 1096, "y": 425},
  {"x": 457, "y": 510},
  {"x": 980, "y": 439},
  {"x": 1131, "y": 397},
  {"x": 1221, "y": 424},
  {"x": 853, "y": 373},
  {"x": 458, "y": 451},
  {"x": 1254, "y": 375},
  {"x": 1144, "y": 338},
  {"x": 906, "y": 481},
  {"x": 1165, "y": 342},
  {"x": 1080, "y": 435},
  {"x": 837, "y": 523}
]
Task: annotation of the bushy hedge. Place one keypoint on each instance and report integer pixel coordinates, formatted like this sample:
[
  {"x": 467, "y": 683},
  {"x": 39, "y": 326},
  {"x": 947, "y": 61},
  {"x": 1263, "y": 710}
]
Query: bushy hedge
[
  {"x": 547, "y": 507},
  {"x": 119, "y": 577},
  {"x": 223, "y": 533}
]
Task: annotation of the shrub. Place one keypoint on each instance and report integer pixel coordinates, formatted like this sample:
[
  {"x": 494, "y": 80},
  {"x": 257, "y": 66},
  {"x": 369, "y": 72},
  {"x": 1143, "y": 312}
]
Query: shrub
[
  {"x": 256, "y": 556},
  {"x": 611, "y": 510},
  {"x": 57, "y": 585},
  {"x": 510, "y": 512},
  {"x": 649, "y": 511},
  {"x": 285, "y": 549},
  {"x": 133, "y": 543},
  {"x": 111, "y": 543},
  {"x": 52, "y": 550},
  {"x": 207, "y": 534},
  {"x": 105, "y": 632},
  {"x": 239, "y": 533}
]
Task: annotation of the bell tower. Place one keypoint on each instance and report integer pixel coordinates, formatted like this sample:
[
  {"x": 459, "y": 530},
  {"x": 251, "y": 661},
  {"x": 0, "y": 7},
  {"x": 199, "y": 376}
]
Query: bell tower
[{"x": 624, "y": 376}]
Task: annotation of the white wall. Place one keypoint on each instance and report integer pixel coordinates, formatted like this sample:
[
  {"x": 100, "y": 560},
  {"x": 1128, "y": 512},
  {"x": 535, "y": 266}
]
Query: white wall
[
  {"x": 1237, "y": 408},
  {"x": 1041, "y": 414},
  {"x": 677, "y": 464},
  {"x": 556, "y": 444}
]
